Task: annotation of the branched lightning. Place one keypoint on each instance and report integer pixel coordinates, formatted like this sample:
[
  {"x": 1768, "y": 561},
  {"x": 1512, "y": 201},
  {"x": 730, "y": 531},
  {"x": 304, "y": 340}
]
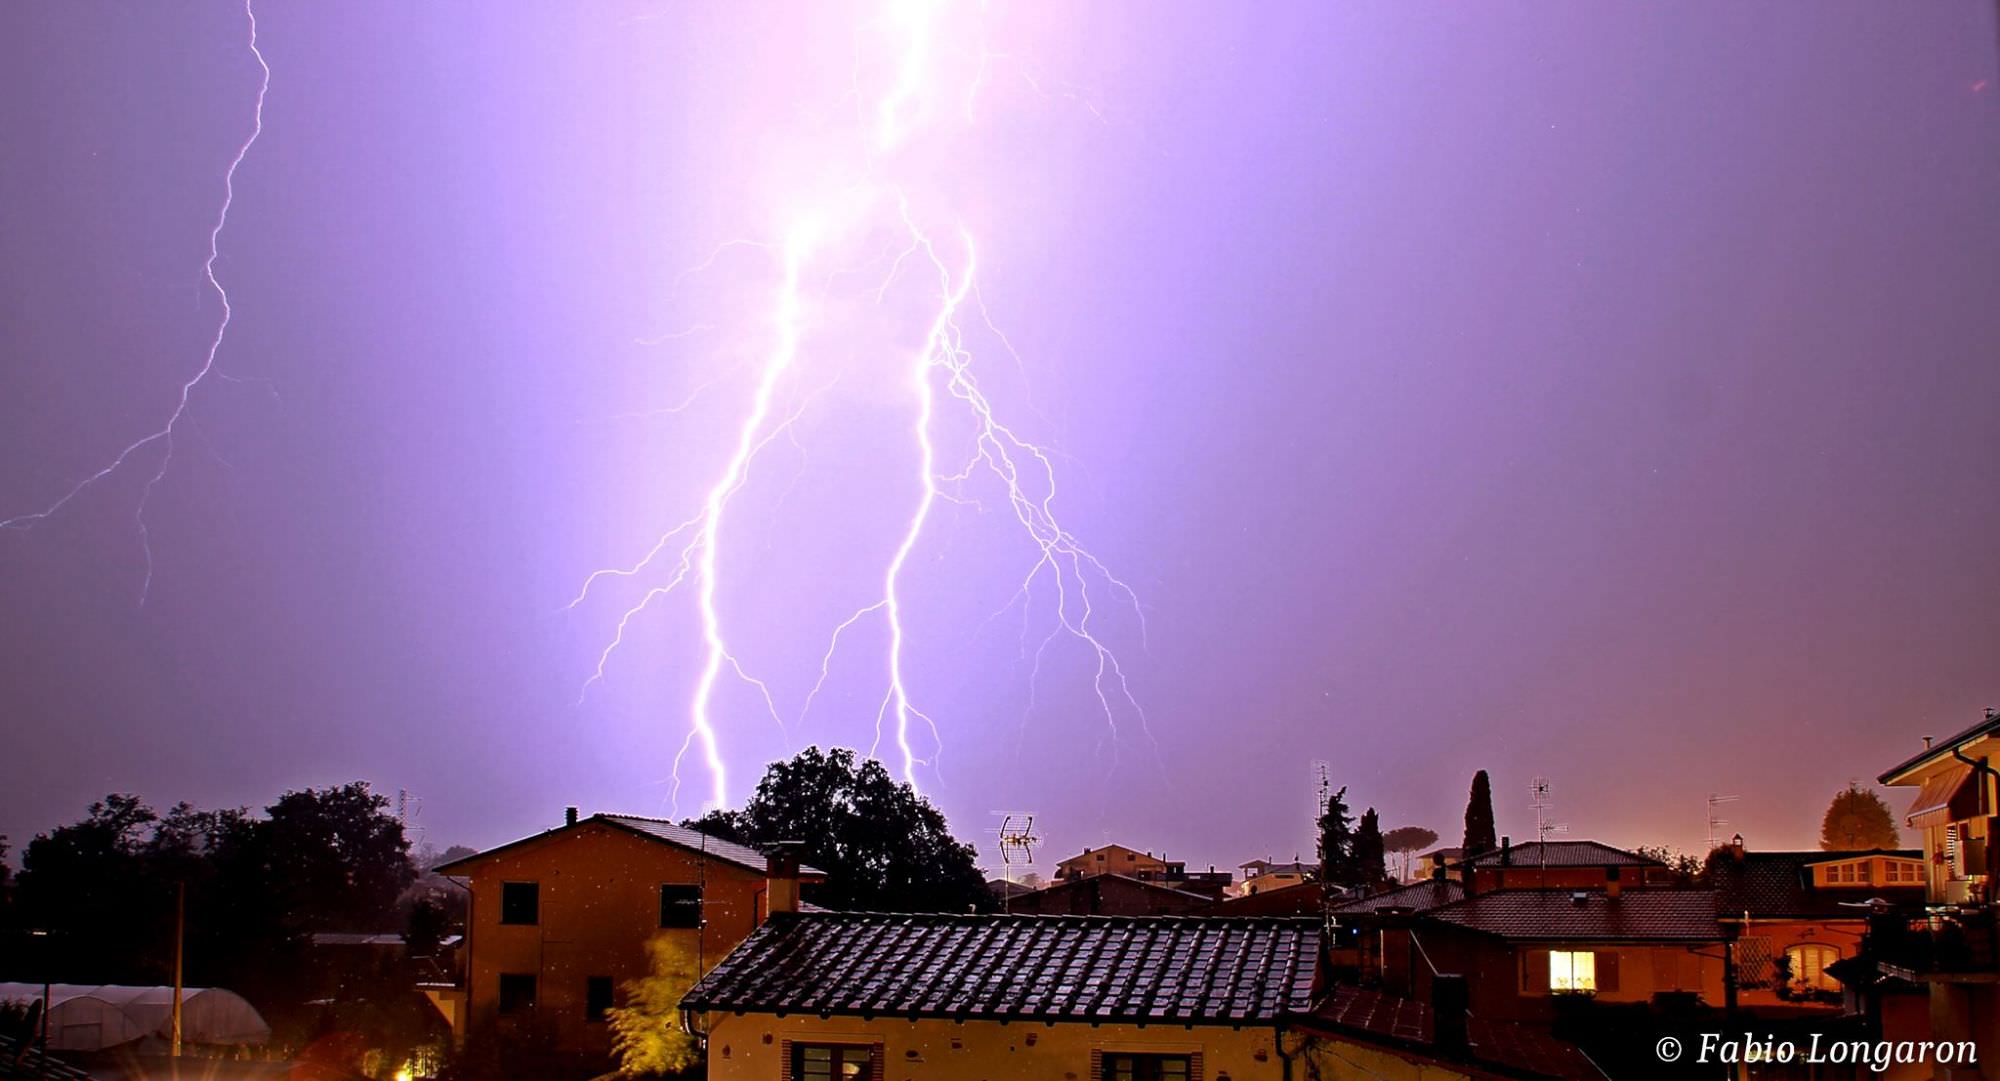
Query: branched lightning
[
  {"x": 164, "y": 435},
  {"x": 946, "y": 400}
]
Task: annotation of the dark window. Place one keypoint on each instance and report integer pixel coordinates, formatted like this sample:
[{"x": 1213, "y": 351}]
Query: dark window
[
  {"x": 596, "y": 997},
  {"x": 680, "y": 906},
  {"x": 1123, "y": 1067},
  {"x": 521, "y": 902},
  {"x": 831, "y": 1062},
  {"x": 517, "y": 992}
]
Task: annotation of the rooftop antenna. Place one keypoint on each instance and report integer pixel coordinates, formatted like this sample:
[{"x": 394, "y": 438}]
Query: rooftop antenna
[
  {"x": 1715, "y": 819},
  {"x": 1017, "y": 849},
  {"x": 1538, "y": 789},
  {"x": 409, "y": 807}
]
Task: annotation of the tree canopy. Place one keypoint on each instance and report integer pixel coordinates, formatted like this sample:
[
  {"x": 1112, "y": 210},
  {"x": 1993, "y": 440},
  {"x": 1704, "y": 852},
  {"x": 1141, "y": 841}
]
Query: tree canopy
[
  {"x": 1370, "y": 871},
  {"x": 884, "y": 848},
  {"x": 1858, "y": 819},
  {"x": 1336, "y": 841}
]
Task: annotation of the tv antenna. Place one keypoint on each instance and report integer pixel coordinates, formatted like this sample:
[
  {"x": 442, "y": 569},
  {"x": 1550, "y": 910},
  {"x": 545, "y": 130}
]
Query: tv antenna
[
  {"x": 1715, "y": 819},
  {"x": 1017, "y": 848},
  {"x": 1538, "y": 789}
]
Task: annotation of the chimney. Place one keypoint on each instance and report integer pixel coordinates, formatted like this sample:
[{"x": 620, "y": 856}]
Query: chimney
[
  {"x": 1736, "y": 847},
  {"x": 1449, "y": 1000},
  {"x": 569, "y": 816},
  {"x": 1438, "y": 873},
  {"x": 1927, "y": 741},
  {"x": 1506, "y": 851},
  {"x": 781, "y": 878},
  {"x": 1612, "y": 886}
]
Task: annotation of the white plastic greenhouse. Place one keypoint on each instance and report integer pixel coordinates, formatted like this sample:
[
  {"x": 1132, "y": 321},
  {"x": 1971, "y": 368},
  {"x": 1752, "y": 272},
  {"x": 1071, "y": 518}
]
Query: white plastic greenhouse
[{"x": 87, "y": 1018}]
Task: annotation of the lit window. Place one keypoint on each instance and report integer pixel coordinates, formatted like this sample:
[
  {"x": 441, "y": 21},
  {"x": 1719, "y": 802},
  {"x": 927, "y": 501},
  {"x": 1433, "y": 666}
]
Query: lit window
[
  {"x": 1809, "y": 966},
  {"x": 1572, "y": 970}
]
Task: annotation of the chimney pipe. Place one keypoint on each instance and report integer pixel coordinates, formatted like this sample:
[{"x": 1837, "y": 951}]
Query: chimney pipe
[
  {"x": 569, "y": 816},
  {"x": 1506, "y": 851},
  {"x": 781, "y": 878},
  {"x": 1449, "y": 1000},
  {"x": 1612, "y": 886}
]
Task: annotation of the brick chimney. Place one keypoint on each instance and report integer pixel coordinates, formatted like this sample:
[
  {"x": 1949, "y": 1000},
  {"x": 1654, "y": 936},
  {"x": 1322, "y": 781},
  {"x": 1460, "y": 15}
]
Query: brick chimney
[
  {"x": 1449, "y": 1001},
  {"x": 569, "y": 816},
  {"x": 1612, "y": 885},
  {"x": 1506, "y": 851},
  {"x": 781, "y": 878}
]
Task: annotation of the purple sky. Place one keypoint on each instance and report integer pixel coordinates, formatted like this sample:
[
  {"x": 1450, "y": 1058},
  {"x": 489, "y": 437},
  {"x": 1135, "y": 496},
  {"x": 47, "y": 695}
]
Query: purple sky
[{"x": 1606, "y": 393}]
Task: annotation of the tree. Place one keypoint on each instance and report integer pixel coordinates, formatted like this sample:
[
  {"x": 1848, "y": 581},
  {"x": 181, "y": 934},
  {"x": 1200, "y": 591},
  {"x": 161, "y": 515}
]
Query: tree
[
  {"x": 1685, "y": 867},
  {"x": 1336, "y": 841},
  {"x": 1479, "y": 833},
  {"x": 1404, "y": 840},
  {"x": 337, "y": 858},
  {"x": 1858, "y": 819},
  {"x": 1370, "y": 873},
  {"x": 646, "y": 1032},
  {"x": 884, "y": 848}
]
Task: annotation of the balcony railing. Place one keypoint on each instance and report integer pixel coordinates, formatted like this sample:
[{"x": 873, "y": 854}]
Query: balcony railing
[{"x": 1948, "y": 944}]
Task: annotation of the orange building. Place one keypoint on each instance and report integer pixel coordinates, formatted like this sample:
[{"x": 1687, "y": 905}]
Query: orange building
[{"x": 559, "y": 923}]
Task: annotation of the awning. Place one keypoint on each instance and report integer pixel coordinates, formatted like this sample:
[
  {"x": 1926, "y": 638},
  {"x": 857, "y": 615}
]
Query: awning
[{"x": 1950, "y": 796}]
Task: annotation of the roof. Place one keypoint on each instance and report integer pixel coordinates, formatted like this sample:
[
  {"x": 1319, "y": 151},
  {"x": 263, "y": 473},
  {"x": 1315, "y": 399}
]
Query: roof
[
  {"x": 1159, "y": 969},
  {"x": 1415, "y": 897},
  {"x": 1127, "y": 896},
  {"x": 1134, "y": 855},
  {"x": 1648, "y": 915},
  {"x": 1768, "y": 884},
  {"x": 92, "y": 1017},
  {"x": 1562, "y": 854},
  {"x": 1519, "y": 1050},
  {"x": 1949, "y": 795},
  {"x": 1942, "y": 748},
  {"x": 1266, "y": 867},
  {"x": 655, "y": 829}
]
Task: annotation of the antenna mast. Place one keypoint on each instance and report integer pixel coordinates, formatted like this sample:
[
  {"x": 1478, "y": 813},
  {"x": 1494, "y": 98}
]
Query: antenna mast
[
  {"x": 1017, "y": 848},
  {"x": 1715, "y": 819}
]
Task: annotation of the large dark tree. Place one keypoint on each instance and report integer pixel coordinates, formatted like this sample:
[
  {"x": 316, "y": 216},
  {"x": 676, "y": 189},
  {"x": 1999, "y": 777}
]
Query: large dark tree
[
  {"x": 883, "y": 847},
  {"x": 1336, "y": 841},
  {"x": 1858, "y": 819},
  {"x": 1479, "y": 835},
  {"x": 1370, "y": 871}
]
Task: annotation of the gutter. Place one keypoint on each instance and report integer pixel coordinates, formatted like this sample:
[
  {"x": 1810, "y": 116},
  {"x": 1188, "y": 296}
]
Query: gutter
[{"x": 1978, "y": 767}]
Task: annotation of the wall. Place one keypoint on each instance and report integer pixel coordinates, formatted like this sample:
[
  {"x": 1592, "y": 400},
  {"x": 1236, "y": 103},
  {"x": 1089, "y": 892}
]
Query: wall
[
  {"x": 600, "y": 904},
  {"x": 749, "y": 1047}
]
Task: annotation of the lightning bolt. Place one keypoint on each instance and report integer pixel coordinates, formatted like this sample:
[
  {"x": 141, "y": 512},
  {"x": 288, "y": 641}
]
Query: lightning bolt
[
  {"x": 164, "y": 434},
  {"x": 939, "y": 380}
]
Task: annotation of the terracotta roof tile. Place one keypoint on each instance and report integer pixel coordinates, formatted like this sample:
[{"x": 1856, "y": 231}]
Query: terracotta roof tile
[
  {"x": 1085, "y": 968},
  {"x": 1650, "y": 915}
]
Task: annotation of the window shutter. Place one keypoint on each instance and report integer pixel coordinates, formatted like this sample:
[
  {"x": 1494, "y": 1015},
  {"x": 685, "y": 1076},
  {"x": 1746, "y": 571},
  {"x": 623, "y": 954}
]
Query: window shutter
[
  {"x": 1194, "y": 1067},
  {"x": 1607, "y": 970},
  {"x": 1535, "y": 980},
  {"x": 784, "y": 1060},
  {"x": 1096, "y": 1065}
]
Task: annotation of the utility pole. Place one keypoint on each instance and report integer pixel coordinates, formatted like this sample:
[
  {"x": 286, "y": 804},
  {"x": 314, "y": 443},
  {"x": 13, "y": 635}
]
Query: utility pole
[{"x": 180, "y": 946}]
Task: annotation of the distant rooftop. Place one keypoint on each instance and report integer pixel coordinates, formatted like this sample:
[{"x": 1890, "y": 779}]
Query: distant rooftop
[
  {"x": 1642, "y": 915},
  {"x": 1780, "y": 884},
  {"x": 1562, "y": 854},
  {"x": 1415, "y": 897}
]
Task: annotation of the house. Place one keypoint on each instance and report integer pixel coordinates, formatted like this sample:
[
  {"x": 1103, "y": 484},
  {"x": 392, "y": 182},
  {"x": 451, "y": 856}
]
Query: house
[
  {"x": 1561, "y": 865},
  {"x": 559, "y": 922},
  {"x": 1519, "y": 948},
  {"x": 1952, "y": 945},
  {"x": 1145, "y": 867},
  {"x": 1794, "y": 915},
  {"x": 1107, "y": 895},
  {"x": 1299, "y": 899},
  {"x": 1437, "y": 859},
  {"x": 1262, "y": 875},
  {"x": 815, "y": 996}
]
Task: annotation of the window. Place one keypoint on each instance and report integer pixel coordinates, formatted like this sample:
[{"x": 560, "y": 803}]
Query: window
[
  {"x": 596, "y": 997},
  {"x": 1124, "y": 1067},
  {"x": 521, "y": 902},
  {"x": 517, "y": 992},
  {"x": 831, "y": 1062},
  {"x": 1572, "y": 970},
  {"x": 680, "y": 906},
  {"x": 1809, "y": 966}
]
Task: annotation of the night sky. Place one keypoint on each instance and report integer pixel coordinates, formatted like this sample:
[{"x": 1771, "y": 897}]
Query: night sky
[{"x": 1598, "y": 392}]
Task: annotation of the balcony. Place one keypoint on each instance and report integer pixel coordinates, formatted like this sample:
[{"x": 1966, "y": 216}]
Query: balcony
[{"x": 1949, "y": 944}]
